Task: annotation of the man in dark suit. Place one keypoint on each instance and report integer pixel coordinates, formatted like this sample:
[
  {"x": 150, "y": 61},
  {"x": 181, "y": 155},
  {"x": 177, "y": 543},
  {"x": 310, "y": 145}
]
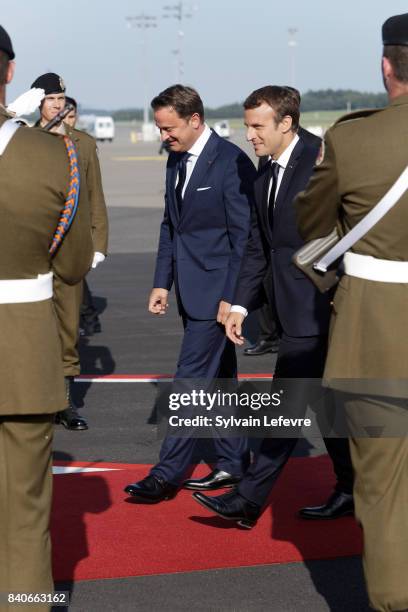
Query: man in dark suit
[
  {"x": 202, "y": 239},
  {"x": 272, "y": 121}
]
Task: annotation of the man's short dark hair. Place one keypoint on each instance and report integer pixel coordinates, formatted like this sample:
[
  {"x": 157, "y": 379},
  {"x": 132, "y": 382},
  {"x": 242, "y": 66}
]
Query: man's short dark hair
[
  {"x": 69, "y": 100},
  {"x": 4, "y": 62},
  {"x": 284, "y": 101},
  {"x": 398, "y": 57},
  {"x": 184, "y": 100}
]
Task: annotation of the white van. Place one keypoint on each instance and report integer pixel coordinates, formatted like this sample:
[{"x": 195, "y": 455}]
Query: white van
[
  {"x": 222, "y": 128},
  {"x": 101, "y": 128}
]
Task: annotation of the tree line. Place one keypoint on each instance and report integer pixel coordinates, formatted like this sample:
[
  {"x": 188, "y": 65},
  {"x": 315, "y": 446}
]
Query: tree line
[{"x": 319, "y": 100}]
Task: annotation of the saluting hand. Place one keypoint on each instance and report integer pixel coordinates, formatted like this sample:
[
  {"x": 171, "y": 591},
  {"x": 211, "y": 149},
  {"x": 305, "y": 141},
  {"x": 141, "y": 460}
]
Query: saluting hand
[
  {"x": 233, "y": 327},
  {"x": 158, "y": 301},
  {"x": 223, "y": 312}
]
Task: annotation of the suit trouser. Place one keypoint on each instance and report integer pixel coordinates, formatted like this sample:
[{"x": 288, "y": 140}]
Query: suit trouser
[
  {"x": 67, "y": 304},
  {"x": 268, "y": 328},
  {"x": 381, "y": 496},
  {"x": 25, "y": 505},
  {"x": 298, "y": 358},
  {"x": 206, "y": 354}
]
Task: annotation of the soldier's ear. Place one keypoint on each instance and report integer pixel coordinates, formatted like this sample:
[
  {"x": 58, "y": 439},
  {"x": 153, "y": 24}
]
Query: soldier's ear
[
  {"x": 10, "y": 72},
  {"x": 387, "y": 68}
]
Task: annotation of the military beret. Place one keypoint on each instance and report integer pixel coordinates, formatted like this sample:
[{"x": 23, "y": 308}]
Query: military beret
[
  {"x": 50, "y": 83},
  {"x": 395, "y": 30},
  {"x": 5, "y": 43}
]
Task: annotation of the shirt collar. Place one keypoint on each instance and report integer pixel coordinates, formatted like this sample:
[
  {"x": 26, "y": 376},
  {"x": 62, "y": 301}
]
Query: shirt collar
[
  {"x": 201, "y": 141},
  {"x": 284, "y": 157}
]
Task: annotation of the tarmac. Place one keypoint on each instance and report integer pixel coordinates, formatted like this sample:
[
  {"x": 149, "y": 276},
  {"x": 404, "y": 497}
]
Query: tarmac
[{"x": 122, "y": 420}]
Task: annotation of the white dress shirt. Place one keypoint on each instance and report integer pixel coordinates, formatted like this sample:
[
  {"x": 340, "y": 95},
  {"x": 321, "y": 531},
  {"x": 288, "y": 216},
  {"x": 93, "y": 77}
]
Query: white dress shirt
[
  {"x": 283, "y": 161},
  {"x": 194, "y": 153}
]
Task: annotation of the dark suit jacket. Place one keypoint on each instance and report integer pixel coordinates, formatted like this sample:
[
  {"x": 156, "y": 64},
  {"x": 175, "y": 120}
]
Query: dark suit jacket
[
  {"x": 301, "y": 309},
  {"x": 201, "y": 250}
]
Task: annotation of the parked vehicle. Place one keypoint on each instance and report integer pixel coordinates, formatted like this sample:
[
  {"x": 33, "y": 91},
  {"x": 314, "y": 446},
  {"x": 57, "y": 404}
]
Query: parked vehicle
[
  {"x": 101, "y": 128},
  {"x": 222, "y": 128}
]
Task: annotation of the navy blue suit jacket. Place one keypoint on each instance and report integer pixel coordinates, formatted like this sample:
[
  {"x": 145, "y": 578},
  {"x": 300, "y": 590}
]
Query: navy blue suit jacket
[
  {"x": 201, "y": 250},
  {"x": 302, "y": 311}
]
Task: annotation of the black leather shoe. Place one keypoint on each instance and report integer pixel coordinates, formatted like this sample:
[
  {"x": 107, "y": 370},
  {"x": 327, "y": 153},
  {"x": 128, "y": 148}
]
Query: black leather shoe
[
  {"x": 231, "y": 506},
  {"x": 90, "y": 327},
  {"x": 339, "y": 504},
  {"x": 151, "y": 489},
  {"x": 71, "y": 419},
  {"x": 217, "y": 479},
  {"x": 262, "y": 347}
]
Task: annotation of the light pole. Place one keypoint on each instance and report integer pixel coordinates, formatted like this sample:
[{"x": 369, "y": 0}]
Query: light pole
[
  {"x": 292, "y": 44},
  {"x": 143, "y": 22},
  {"x": 179, "y": 12}
]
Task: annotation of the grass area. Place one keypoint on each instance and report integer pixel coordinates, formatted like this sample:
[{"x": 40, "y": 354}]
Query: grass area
[{"x": 323, "y": 118}]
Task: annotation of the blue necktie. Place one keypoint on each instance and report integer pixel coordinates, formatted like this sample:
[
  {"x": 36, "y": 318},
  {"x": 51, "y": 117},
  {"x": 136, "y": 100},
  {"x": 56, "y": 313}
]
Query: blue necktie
[{"x": 182, "y": 172}]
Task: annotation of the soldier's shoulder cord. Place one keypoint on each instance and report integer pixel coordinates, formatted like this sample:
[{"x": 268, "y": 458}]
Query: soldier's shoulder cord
[{"x": 71, "y": 202}]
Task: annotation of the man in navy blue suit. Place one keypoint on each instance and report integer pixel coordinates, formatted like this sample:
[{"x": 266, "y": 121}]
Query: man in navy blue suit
[
  {"x": 302, "y": 313},
  {"x": 203, "y": 235}
]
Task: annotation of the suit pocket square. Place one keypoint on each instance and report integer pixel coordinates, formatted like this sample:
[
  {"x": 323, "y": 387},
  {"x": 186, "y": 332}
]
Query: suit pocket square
[{"x": 203, "y": 188}]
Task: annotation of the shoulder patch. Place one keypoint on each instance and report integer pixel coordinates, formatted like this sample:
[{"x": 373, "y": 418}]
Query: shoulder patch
[{"x": 360, "y": 114}]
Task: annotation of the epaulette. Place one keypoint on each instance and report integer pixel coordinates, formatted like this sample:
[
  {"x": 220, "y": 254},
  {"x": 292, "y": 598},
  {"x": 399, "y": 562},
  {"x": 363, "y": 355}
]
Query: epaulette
[{"x": 360, "y": 114}]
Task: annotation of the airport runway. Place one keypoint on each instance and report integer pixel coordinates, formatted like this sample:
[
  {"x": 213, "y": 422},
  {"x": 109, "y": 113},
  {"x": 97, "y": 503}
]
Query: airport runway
[{"x": 122, "y": 422}]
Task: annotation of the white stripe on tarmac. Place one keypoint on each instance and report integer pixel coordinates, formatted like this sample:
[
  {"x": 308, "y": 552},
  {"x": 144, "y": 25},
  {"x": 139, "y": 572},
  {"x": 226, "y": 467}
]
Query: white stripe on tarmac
[
  {"x": 152, "y": 380},
  {"x": 60, "y": 469}
]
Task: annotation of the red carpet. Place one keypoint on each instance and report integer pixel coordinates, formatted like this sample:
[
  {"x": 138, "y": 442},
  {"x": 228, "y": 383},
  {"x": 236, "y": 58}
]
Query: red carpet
[{"x": 96, "y": 534}]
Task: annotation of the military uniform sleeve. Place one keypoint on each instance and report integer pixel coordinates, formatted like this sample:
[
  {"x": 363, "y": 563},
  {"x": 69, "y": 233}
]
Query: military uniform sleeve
[
  {"x": 73, "y": 259},
  {"x": 317, "y": 207},
  {"x": 99, "y": 215}
]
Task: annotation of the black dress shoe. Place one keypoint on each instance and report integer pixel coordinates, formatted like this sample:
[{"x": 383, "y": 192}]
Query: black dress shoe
[
  {"x": 339, "y": 504},
  {"x": 262, "y": 347},
  {"x": 217, "y": 479},
  {"x": 232, "y": 507},
  {"x": 71, "y": 419},
  {"x": 151, "y": 489}
]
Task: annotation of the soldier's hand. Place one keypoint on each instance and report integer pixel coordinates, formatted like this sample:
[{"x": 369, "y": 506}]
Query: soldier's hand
[
  {"x": 223, "y": 312},
  {"x": 158, "y": 301},
  {"x": 233, "y": 327}
]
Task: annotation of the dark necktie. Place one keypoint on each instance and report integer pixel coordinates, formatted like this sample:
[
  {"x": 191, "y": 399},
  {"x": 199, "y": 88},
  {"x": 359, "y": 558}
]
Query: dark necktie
[
  {"x": 272, "y": 180},
  {"x": 182, "y": 171}
]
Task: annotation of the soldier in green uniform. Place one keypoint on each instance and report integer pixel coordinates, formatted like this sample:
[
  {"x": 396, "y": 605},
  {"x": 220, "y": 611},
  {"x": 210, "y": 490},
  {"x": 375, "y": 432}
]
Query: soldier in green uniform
[
  {"x": 68, "y": 299},
  {"x": 365, "y": 153},
  {"x": 34, "y": 183},
  {"x": 89, "y": 318}
]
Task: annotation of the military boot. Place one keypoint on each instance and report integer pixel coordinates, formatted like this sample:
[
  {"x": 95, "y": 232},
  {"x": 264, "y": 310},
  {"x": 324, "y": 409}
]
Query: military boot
[{"x": 70, "y": 417}]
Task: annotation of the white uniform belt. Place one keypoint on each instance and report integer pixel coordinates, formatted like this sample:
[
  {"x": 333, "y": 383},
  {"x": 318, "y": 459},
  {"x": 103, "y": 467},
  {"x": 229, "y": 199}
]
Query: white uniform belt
[
  {"x": 371, "y": 268},
  {"x": 18, "y": 291}
]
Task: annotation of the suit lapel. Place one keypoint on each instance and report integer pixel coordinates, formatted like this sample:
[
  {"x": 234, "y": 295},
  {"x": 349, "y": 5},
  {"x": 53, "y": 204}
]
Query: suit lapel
[
  {"x": 261, "y": 198},
  {"x": 287, "y": 179},
  {"x": 202, "y": 166},
  {"x": 171, "y": 176}
]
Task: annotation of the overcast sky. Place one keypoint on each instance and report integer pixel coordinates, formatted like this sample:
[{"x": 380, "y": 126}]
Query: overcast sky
[{"x": 230, "y": 46}]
